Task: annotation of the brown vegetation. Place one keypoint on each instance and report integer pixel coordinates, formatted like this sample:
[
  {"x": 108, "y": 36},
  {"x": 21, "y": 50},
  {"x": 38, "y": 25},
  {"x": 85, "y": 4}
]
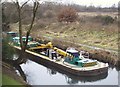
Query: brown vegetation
[{"x": 67, "y": 15}]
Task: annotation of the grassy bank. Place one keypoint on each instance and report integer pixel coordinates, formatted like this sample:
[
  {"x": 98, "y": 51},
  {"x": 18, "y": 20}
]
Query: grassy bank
[
  {"x": 7, "y": 80},
  {"x": 87, "y": 30},
  {"x": 97, "y": 35},
  {"x": 10, "y": 77},
  {"x": 100, "y": 36}
]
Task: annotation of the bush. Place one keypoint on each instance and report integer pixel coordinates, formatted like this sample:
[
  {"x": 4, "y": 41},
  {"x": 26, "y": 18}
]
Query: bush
[
  {"x": 49, "y": 14},
  {"x": 107, "y": 20},
  {"x": 67, "y": 15},
  {"x": 7, "y": 50},
  {"x": 104, "y": 19}
]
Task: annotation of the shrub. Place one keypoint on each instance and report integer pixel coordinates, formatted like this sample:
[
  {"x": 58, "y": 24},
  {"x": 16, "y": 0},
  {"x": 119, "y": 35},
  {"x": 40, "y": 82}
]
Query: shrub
[
  {"x": 104, "y": 19},
  {"x": 7, "y": 50},
  {"x": 107, "y": 19},
  {"x": 49, "y": 14},
  {"x": 67, "y": 15}
]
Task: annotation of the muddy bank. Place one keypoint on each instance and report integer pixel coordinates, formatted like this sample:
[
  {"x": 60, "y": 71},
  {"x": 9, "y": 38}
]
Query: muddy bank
[{"x": 103, "y": 55}]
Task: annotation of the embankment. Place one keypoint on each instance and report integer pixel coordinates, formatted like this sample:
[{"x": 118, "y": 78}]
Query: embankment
[{"x": 10, "y": 77}]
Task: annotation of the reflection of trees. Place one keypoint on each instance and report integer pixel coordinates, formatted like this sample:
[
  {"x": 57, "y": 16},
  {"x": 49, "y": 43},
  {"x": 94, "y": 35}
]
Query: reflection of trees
[
  {"x": 70, "y": 80},
  {"x": 118, "y": 68},
  {"x": 7, "y": 50},
  {"x": 51, "y": 71},
  {"x": 18, "y": 67}
]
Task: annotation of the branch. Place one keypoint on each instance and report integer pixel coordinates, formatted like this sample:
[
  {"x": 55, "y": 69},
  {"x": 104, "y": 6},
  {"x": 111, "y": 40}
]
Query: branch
[
  {"x": 35, "y": 7},
  {"x": 17, "y": 4},
  {"x": 24, "y": 4},
  {"x": 20, "y": 24},
  {"x": 14, "y": 1}
]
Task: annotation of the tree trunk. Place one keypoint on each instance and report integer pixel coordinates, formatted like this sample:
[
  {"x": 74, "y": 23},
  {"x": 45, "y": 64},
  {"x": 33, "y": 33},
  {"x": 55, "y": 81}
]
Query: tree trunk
[
  {"x": 23, "y": 46},
  {"x": 22, "y": 57}
]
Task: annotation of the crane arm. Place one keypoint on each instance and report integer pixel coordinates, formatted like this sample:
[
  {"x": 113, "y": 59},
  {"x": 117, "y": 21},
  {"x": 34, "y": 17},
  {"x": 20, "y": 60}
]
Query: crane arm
[
  {"x": 49, "y": 45},
  {"x": 61, "y": 52},
  {"x": 42, "y": 46}
]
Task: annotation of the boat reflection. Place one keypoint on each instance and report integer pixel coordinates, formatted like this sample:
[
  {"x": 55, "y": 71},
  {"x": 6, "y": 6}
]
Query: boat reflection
[{"x": 72, "y": 79}]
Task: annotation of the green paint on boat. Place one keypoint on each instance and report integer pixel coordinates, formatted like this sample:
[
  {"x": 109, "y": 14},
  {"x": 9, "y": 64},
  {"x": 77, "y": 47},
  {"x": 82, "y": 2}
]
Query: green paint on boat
[{"x": 78, "y": 59}]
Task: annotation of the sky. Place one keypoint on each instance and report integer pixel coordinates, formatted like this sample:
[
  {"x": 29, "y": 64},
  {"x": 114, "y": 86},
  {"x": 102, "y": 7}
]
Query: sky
[{"x": 102, "y": 3}]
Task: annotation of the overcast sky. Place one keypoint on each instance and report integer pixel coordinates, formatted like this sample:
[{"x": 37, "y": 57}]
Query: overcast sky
[{"x": 102, "y": 3}]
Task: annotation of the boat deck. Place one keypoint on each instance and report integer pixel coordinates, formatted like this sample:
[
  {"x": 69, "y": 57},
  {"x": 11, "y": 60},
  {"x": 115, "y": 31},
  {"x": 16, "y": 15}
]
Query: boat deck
[{"x": 65, "y": 64}]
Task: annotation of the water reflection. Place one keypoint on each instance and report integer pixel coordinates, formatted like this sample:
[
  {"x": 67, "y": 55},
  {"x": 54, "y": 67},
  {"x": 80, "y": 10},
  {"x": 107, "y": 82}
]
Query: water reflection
[
  {"x": 75, "y": 79},
  {"x": 51, "y": 72},
  {"x": 70, "y": 80},
  {"x": 47, "y": 75}
]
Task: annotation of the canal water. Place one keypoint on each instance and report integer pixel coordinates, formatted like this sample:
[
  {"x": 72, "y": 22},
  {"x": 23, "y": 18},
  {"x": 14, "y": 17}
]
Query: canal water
[{"x": 38, "y": 74}]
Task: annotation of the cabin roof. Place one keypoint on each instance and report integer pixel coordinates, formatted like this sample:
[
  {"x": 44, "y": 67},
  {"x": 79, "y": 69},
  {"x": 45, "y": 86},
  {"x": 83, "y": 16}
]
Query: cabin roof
[{"x": 72, "y": 51}]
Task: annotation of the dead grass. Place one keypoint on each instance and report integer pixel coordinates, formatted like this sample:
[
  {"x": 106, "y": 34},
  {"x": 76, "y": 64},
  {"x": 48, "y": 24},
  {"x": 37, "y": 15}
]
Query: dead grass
[
  {"x": 93, "y": 34},
  {"x": 88, "y": 32},
  {"x": 92, "y": 14}
]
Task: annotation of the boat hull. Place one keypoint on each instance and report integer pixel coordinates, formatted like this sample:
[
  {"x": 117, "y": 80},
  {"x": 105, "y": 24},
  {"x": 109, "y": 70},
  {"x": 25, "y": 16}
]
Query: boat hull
[{"x": 61, "y": 66}]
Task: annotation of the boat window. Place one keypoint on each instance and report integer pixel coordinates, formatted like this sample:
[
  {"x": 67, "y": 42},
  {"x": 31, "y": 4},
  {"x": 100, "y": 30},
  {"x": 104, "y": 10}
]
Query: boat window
[
  {"x": 76, "y": 54},
  {"x": 76, "y": 63}
]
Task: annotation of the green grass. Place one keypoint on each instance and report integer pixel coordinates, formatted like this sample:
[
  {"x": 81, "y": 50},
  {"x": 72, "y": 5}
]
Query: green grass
[
  {"x": 7, "y": 80},
  {"x": 0, "y": 78}
]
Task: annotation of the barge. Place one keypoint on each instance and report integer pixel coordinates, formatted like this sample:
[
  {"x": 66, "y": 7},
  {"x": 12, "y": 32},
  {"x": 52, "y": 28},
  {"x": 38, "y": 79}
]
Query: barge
[{"x": 71, "y": 60}]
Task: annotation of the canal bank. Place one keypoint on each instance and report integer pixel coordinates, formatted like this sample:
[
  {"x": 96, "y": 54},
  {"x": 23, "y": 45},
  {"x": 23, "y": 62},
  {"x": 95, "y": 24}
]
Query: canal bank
[{"x": 10, "y": 77}]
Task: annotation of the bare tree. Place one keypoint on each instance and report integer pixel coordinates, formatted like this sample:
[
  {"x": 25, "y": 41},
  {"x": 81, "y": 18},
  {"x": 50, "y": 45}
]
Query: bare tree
[{"x": 23, "y": 45}]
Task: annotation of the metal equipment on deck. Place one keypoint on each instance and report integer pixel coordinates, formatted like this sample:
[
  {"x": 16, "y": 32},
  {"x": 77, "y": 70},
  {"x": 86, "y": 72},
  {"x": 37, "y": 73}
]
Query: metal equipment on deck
[{"x": 71, "y": 55}]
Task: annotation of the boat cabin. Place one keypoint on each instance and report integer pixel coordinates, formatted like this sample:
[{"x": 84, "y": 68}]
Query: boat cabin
[
  {"x": 78, "y": 59},
  {"x": 74, "y": 53},
  {"x": 12, "y": 34}
]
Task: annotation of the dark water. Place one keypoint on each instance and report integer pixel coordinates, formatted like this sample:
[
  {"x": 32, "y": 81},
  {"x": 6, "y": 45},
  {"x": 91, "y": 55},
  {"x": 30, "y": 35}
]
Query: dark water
[{"x": 41, "y": 75}]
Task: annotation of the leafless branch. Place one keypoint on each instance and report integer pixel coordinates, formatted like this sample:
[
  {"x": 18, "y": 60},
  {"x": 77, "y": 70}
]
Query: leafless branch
[
  {"x": 34, "y": 11},
  {"x": 14, "y": 1},
  {"x": 24, "y": 4},
  {"x": 35, "y": 7}
]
